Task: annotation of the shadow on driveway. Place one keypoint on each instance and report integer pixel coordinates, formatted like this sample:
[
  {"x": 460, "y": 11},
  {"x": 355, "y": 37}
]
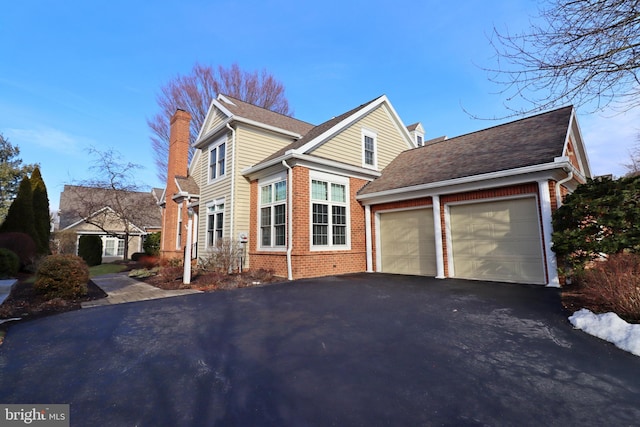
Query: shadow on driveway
[{"x": 362, "y": 349}]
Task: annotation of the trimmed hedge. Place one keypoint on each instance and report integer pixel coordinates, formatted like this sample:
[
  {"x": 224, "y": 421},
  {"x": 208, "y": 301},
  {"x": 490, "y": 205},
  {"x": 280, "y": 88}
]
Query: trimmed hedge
[
  {"x": 62, "y": 276},
  {"x": 151, "y": 244},
  {"x": 9, "y": 263},
  {"x": 90, "y": 249}
]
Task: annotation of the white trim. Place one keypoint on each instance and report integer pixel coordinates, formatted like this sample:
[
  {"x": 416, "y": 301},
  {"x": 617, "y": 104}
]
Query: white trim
[
  {"x": 527, "y": 174},
  {"x": 270, "y": 181},
  {"x": 547, "y": 229},
  {"x": 213, "y": 203},
  {"x": 215, "y": 146},
  {"x": 311, "y": 162},
  {"x": 378, "y": 242},
  {"x": 368, "y": 242},
  {"x": 330, "y": 179},
  {"x": 437, "y": 228},
  {"x": 367, "y": 133},
  {"x": 179, "y": 228}
]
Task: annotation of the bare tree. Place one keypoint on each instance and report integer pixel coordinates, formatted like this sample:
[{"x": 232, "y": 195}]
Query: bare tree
[
  {"x": 584, "y": 52},
  {"x": 112, "y": 200},
  {"x": 194, "y": 93}
]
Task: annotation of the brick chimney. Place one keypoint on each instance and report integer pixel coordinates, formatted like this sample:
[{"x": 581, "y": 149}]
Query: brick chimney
[{"x": 177, "y": 165}]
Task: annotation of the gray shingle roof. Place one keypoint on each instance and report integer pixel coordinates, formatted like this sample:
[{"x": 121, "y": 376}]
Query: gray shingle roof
[
  {"x": 76, "y": 201},
  {"x": 317, "y": 131},
  {"x": 526, "y": 142},
  {"x": 262, "y": 115},
  {"x": 188, "y": 184}
]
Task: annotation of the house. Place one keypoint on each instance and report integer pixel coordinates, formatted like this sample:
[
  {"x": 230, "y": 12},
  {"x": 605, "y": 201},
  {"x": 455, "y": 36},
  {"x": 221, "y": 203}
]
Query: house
[
  {"x": 93, "y": 211},
  {"x": 364, "y": 192}
]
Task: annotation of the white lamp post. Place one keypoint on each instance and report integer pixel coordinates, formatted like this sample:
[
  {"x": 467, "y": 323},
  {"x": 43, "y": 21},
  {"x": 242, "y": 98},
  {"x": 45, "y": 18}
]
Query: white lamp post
[{"x": 186, "y": 275}]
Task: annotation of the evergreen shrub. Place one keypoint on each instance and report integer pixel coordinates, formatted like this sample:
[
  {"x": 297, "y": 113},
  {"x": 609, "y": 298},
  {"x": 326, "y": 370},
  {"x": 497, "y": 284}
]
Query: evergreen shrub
[
  {"x": 90, "y": 249},
  {"x": 62, "y": 276},
  {"x": 9, "y": 264}
]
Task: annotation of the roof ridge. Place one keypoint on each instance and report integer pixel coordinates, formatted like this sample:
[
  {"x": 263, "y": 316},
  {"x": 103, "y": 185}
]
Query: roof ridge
[{"x": 503, "y": 124}]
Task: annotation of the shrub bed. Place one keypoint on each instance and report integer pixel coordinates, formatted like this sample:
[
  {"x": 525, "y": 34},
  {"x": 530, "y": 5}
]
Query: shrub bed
[
  {"x": 613, "y": 285},
  {"x": 62, "y": 276}
]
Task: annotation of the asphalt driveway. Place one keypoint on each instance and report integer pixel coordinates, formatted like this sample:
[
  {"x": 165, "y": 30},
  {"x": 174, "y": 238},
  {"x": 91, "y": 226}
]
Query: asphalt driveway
[{"x": 355, "y": 350}]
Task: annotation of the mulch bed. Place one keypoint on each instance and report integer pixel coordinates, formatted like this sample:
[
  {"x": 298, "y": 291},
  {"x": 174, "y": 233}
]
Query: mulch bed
[{"x": 25, "y": 303}]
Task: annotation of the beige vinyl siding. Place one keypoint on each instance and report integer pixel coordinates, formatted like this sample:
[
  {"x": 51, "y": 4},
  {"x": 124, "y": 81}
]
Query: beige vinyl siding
[
  {"x": 347, "y": 145},
  {"x": 263, "y": 144},
  {"x": 216, "y": 190},
  {"x": 252, "y": 146},
  {"x": 214, "y": 120}
]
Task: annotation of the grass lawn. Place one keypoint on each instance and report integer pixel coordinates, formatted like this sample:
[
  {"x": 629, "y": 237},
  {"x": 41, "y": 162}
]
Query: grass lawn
[{"x": 99, "y": 270}]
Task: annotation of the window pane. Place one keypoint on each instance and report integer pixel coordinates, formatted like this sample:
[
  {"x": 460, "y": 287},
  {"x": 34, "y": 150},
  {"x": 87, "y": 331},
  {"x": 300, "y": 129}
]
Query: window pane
[
  {"x": 280, "y": 215},
  {"x": 265, "y": 217},
  {"x": 120, "y": 247},
  {"x": 213, "y": 158},
  {"x": 320, "y": 234},
  {"x": 320, "y": 214},
  {"x": 210, "y": 228},
  {"x": 280, "y": 235},
  {"x": 338, "y": 193},
  {"x": 318, "y": 190},
  {"x": 280, "y": 190},
  {"x": 265, "y": 194},
  {"x": 221, "y": 159},
  {"x": 339, "y": 215},
  {"x": 339, "y": 235},
  {"x": 109, "y": 247},
  {"x": 369, "y": 150},
  {"x": 368, "y": 143}
]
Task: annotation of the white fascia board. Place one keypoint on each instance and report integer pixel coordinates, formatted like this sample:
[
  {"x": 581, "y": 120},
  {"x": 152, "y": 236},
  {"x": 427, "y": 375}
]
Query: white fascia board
[
  {"x": 555, "y": 170},
  {"x": 313, "y": 162},
  {"x": 204, "y": 140},
  {"x": 583, "y": 158},
  {"x": 341, "y": 125},
  {"x": 84, "y": 220}
]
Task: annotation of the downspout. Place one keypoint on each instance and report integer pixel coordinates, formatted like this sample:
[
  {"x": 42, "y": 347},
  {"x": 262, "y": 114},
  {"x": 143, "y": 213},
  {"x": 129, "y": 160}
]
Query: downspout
[
  {"x": 290, "y": 218},
  {"x": 233, "y": 178},
  {"x": 558, "y": 184}
]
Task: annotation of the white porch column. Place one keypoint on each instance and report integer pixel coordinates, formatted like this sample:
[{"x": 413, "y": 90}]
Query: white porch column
[
  {"x": 547, "y": 229},
  {"x": 437, "y": 229},
  {"x": 368, "y": 239}
]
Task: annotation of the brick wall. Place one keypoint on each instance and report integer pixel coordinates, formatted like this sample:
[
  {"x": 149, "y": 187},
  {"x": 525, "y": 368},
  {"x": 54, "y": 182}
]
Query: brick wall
[
  {"x": 307, "y": 263},
  {"x": 177, "y": 165}
]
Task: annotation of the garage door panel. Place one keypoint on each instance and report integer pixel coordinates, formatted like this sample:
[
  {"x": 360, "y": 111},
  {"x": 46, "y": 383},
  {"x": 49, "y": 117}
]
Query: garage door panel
[
  {"x": 407, "y": 244},
  {"x": 497, "y": 241}
]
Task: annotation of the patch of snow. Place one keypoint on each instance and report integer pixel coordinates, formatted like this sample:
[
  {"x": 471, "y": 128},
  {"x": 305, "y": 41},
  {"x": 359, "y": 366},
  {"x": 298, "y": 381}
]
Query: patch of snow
[{"x": 609, "y": 327}]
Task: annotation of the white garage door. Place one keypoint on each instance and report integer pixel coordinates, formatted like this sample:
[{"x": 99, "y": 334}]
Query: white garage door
[
  {"x": 497, "y": 241},
  {"x": 407, "y": 244}
]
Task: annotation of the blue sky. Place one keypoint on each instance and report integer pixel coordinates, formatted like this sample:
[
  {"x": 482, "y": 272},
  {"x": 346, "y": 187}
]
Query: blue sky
[{"x": 80, "y": 74}]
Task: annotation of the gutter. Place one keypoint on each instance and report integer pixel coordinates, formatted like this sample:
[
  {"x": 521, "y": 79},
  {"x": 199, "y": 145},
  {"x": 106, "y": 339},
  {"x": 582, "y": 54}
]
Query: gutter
[
  {"x": 233, "y": 176},
  {"x": 558, "y": 184},
  {"x": 290, "y": 217}
]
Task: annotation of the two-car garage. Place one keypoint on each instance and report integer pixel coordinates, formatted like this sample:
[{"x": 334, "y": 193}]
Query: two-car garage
[{"x": 497, "y": 240}]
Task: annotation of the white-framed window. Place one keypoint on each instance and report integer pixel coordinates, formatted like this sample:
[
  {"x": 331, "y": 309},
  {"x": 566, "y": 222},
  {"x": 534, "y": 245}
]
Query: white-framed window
[
  {"x": 419, "y": 141},
  {"x": 217, "y": 159},
  {"x": 179, "y": 230},
  {"x": 273, "y": 214},
  {"x": 369, "y": 149},
  {"x": 215, "y": 222},
  {"x": 113, "y": 246},
  {"x": 329, "y": 211}
]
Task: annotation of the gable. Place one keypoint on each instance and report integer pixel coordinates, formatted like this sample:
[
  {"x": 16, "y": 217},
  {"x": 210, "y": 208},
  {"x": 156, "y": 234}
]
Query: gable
[
  {"x": 215, "y": 117},
  {"x": 347, "y": 145},
  {"x": 524, "y": 143}
]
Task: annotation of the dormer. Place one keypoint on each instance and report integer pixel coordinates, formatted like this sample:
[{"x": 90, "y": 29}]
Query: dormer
[{"x": 417, "y": 133}]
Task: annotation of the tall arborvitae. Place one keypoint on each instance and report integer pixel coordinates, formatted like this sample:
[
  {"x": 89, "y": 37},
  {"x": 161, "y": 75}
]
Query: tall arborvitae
[
  {"x": 20, "y": 216},
  {"x": 42, "y": 218}
]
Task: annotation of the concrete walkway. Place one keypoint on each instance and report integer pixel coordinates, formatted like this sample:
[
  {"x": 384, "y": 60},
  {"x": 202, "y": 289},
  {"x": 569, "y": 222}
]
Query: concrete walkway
[
  {"x": 121, "y": 288},
  {"x": 5, "y": 288}
]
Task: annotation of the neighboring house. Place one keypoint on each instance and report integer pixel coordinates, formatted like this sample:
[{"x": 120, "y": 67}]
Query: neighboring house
[
  {"x": 358, "y": 192},
  {"x": 89, "y": 211}
]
